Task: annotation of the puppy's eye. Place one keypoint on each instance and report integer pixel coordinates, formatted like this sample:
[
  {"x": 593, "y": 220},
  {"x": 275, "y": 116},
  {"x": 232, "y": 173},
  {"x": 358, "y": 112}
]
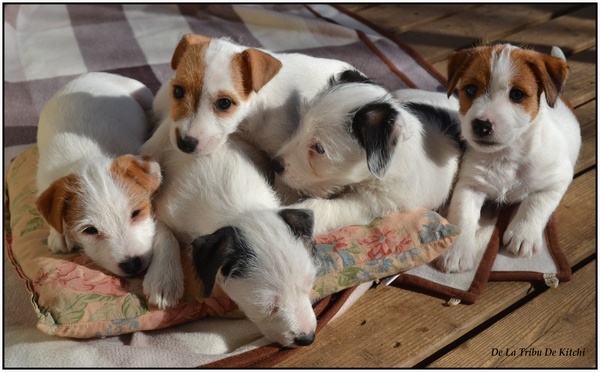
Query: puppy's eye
[
  {"x": 470, "y": 90},
  {"x": 178, "y": 92},
  {"x": 318, "y": 148},
  {"x": 274, "y": 310},
  {"x": 516, "y": 95},
  {"x": 90, "y": 230},
  {"x": 135, "y": 213},
  {"x": 223, "y": 104}
]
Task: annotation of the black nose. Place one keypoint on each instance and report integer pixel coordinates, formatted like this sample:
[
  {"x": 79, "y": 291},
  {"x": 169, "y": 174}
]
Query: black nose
[
  {"x": 482, "y": 128},
  {"x": 131, "y": 266},
  {"x": 187, "y": 144},
  {"x": 277, "y": 165},
  {"x": 304, "y": 339}
]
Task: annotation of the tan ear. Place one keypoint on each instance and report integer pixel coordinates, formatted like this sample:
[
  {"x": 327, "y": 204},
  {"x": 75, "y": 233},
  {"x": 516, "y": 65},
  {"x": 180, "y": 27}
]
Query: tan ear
[
  {"x": 139, "y": 170},
  {"x": 552, "y": 74},
  {"x": 257, "y": 68},
  {"x": 184, "y": 43},
  {"x": 53, "y": 202},
  {"x": 457, "y": 63}
]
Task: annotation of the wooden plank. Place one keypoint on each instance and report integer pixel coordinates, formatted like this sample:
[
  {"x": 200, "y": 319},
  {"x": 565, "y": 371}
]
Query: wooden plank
[
  {"x": 557, "y": 329},
  {"x": 586, "y": 115},
  {"x": 485, "y": 23},
  {"x": 581, "y": 83}
]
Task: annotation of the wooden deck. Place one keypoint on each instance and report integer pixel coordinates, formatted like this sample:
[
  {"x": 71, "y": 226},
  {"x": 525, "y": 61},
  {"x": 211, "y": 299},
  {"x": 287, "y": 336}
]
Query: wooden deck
[{"x": 396, "y": 327}]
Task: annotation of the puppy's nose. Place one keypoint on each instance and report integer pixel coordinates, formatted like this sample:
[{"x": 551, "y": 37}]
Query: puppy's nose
[
  {"x": 131, "y": 266},
  {"x": 277, "y": 165},
  {"x": 482, "y": 128},
  {"x": 304, "y": 339},
  {"x": 187, "y": 144}
]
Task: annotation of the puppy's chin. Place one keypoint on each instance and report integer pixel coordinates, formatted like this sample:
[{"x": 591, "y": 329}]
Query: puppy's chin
[{"x": 487, "y": 147}]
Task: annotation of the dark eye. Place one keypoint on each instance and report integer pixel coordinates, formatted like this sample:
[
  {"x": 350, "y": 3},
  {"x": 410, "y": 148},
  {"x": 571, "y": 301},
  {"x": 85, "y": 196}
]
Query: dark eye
[
  {"x": 90, "y": 230},
  {"x": 223, "y": 104},
  {"x": 471, "y": 90},
  {"x": 178, "y": 91},
  {"x": 516, "y": 95},
  {"x": 318, "y": 148},
  {"x": 135, "y": 213}
]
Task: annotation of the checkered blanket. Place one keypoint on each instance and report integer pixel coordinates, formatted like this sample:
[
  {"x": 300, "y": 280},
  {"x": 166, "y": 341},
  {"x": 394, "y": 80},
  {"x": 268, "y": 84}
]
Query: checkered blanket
[{"x": 45, "y": 46}]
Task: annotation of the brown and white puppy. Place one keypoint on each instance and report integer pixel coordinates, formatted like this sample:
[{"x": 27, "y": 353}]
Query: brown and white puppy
[
  {"x": 221, "y": 87},
  {"x": 523, "y": 140},
  {"x": 93, "y": 192}
]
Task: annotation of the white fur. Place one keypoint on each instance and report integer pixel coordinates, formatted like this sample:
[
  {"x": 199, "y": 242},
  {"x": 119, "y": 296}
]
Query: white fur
[
  {"x": 531, "y": 163},
  {"x": 267, "y": 118},
  {"x": 343, "y": 190},
  {"x": 202, "y": 194}
]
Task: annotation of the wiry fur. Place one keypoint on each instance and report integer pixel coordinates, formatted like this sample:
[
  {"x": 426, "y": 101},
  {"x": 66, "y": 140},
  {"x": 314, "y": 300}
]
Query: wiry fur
[
  {"x": 221, "y": 205},
  {"x": 383, "y": 161},
  {"x": 92, "y": 192},
  {"x": 520, "y": 151}
]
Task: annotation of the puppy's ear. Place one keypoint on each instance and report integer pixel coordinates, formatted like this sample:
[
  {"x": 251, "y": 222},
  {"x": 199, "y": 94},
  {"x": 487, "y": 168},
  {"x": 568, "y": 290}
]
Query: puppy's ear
[
  {"x": 300, "y": 221},
  {"x": 457, "y": 63},
  {"x": 350, "y": 76},
  {"x": 257, "y": 68},
  {"x": 138, "y": 170},
  {"x": 54, "y": 202},
  {"x": 184, "y": 43},
  {"x": 374, "y": 126},
  {"x": 551, "y": 73},
  {"x": 225, "y": 250}
]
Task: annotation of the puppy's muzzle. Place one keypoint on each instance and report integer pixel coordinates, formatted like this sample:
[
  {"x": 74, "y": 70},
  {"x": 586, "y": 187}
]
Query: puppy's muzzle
[
  {"x": 482, "y": 128},
  {"x": 304, "y": 339},
  {"x": 277, "y": 165},
  {"x": 187, "y": 144}
]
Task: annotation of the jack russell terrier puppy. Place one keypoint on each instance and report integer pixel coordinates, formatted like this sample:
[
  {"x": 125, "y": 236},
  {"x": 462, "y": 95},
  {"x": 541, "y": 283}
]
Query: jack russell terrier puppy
[
  {"x": 240, "y": 238},
  {"x": 221, "y": 87},
  {"x": 523, "y": 140},
  {"x": 360, "y": 153},
  {"x": 93, "y": 192}
]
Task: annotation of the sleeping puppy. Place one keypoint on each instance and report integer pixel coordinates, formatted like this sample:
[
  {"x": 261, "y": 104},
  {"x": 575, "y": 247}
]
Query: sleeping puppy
[
  {"x": 221, "y": 87},
  {"x": 523, "y": 141},
  {"x": 359, "y": 153},
  {"x": 240, "y": 238},
  {"x": 92, "y": 193}
]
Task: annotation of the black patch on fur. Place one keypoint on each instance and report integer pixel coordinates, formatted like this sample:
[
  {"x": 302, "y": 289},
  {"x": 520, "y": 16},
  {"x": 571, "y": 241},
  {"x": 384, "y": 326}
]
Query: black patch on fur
[
  {"x": 227, "y": 250},
  {"x": 373, "y": 127},
  {"x": 446, "y": 121},
  {"x": 301, "y": 223},
  {"x": 349, "y": 76}
]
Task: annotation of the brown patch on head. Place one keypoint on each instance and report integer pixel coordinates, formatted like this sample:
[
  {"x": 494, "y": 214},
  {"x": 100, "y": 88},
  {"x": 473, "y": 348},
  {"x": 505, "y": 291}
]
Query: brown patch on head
[
  {"x": 61, "y": 203},
  {"x": 186, "y": 41},
  {"x": 549, "y": 72},
  {"x": 252, "y": 69}
]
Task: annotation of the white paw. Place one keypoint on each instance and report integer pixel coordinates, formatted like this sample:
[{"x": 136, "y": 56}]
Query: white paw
[
  {"x": 58, "y": 243},
  {"x": 164, "y": 288},
  {"x": 522, "y": 239},
  {"x": 460, "y": 257}
]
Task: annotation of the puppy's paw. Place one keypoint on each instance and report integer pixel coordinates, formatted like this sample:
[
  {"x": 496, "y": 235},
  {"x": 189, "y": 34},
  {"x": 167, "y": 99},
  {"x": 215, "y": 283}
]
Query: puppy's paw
[
  {"x": 58, "y": 243},
  {"x": 458, "y": 258},
  {"x": 164, "y": 289},
  {"x": 522, "y": 239}
]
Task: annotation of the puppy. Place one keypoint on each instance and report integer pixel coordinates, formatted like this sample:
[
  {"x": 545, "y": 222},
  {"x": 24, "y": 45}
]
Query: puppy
[
  {"x": 522, "y": 144},
  {"x": 359, "y": 153},
  {"x": 221, "y": 87},
  {"x": 240, "y": 237},
  {"x": 91, "y": 192}
]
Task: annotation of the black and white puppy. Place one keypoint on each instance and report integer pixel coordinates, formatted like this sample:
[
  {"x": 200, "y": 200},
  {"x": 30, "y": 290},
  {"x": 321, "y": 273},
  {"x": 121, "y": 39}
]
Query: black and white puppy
[{"x": 361, "y": 152}]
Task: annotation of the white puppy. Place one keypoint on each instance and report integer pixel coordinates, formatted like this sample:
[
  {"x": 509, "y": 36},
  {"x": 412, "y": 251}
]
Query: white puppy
[
  {"x": 221, "y": 87},
  {"x": 93, "y": 195},
  {"x": 523, "y": 141},
  {"x": 257, "y": 252},
  {"x": 360, "y": 153}
]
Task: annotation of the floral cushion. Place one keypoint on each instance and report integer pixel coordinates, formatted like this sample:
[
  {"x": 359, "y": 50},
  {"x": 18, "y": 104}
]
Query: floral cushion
[{"x": 73, "y": 297}]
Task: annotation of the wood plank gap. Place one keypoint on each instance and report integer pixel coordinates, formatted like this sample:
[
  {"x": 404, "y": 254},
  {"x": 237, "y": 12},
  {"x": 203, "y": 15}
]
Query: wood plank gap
[
  {"x": 581, "y": 264},
  {"x": 583, "y": 171}
]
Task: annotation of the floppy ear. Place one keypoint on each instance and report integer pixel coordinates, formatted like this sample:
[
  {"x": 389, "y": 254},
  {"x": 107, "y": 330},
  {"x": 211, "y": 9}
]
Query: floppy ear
[
  {"x": 551, "y": 73},
  {"x": 224, "y": 250},
  {"x": 350, "y": 76},
  {"x": 300, "y": 221},
  {"x": 374, "y": 126},
  {"x": 54, "y": 201},
  {"x": 139, "y": 169},
  {"x": 257, "y": 68},
  {"x": 457, "y": 63},
  {"x": 184, "y": 43}
]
